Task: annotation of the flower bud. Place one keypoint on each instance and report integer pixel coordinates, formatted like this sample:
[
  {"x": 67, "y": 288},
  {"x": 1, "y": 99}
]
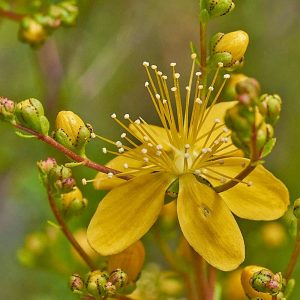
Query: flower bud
[
  {"x": 229, "y": 48},
  {"x": 71, "y": 131},
  {"x": 260, "y": 282},
  {"x": 130, "y": 260},
  {"x": 46, "y": 165},
  {"x": 230, "y": 93},
  {"x": 217, "y": 8},
  {"x": 118, "y": 278},
  {"x": 264, "y": 133},
  {"x": 32, "y": 32},
  {"x": 248, "y": 91},
  {"x": 270, "y": 108},
  {"x": 76, "y": 283},
  {"x": 30, "y": 113},
  {"x": 296, "y": 208},
  {"x": 96, "y": 282},
  {"x": 73, "y": 202},
  {"x": 60, "y": 178},
  {"x": 7, "y": 108},
  {"x": 66, "y": 12}
]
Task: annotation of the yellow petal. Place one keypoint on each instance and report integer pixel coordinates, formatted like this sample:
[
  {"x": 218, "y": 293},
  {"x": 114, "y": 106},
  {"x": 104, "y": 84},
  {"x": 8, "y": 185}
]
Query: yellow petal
[
  {"x": 158, "y": 133},
  {"x": 216, "y": 112},
  {"x": 208, "y": 225},
  {"x": 102, "y": 182},
  {"x": 127, "y": 212},
  {"x": 266, "y": 199}
]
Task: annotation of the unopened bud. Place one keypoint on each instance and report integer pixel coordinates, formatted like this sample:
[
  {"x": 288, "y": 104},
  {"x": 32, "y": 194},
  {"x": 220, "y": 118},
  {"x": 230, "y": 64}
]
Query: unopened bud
[
  {"x": 218, "y": 8},
  {"x": 32, "y": 32},
  {"x": 118, "y": 278},
  {"x": 248, "y": 91},
  {"x": 130, "y": 260},
  {"x": 60, "y": 178},
  {"x": 96, "y": 282},
  {"x": 30, "y": 113},
  {"x": 66, "y": 12},
  {"x": 7, "y": 108},
  {"x": 76, "y": 283},
  {"x": 229, "y": 48},
  {"x": 46, "y": 165},
  {"x": 270, "y": 108},
  {"x": 296, "y": 209},
  {"x": 73, "y": 202},
  {"x": 72, "y": 132},
  {"x": 263, "y": 135},
  {"x": 230, "y": 88}
]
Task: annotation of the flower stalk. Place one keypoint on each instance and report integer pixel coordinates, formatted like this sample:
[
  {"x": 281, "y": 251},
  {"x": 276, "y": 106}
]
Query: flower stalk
[{"x": 11, "y": 15}]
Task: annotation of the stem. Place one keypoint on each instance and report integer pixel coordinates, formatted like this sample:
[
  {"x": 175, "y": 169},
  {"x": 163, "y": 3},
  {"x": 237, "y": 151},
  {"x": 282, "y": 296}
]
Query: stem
[
  {"x": 11, "y": 15},
  {"x": 212, "y": 276},
  {"x": 294, "y": 255},
  {"x": 274, "y": 297},
  {"x": 67, "y": 232},
  {"x": 85, "y": 161}
]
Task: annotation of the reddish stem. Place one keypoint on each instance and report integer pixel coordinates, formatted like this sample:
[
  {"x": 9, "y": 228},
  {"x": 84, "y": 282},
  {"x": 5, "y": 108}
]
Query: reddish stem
[
  {"x": 11, "y": 15},
  {"x": 212, "y": 276}
]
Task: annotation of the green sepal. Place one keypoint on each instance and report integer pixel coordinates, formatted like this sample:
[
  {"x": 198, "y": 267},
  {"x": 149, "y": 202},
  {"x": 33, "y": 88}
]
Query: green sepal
[
  {"x": 268, "y": 147},
  {"x": 25, "y": 136},
  {"x": 224, "y": 57},
  {"x": 289, "y": 288},
  {"x": 61, "y": 137},
  {"x": 172, "y": 192}
]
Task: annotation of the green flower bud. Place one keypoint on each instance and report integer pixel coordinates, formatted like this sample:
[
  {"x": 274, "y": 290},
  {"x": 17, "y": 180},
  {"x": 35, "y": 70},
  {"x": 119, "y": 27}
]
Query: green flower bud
[
  {"x": 72, "y": 132},
  {"x": 118, "y": 278},
  {"x": 229, "y": 92},
  {"x": 30, "y": 113},
  {"x": 7, "y": 109},
  {"x": 96, "y": 283},
  {"x": 229, "y": 48},
  {"x": 270, "y": 108},
  {"x": 248, "y": 91},
  {"x": 32, "y": 32},
  {"x": 46, "y": 165},
  {"x": 263, "y": 135},
  {"x": 217, "y": 8},
  {"x": 66, "y": 12},
  {"x": 73, "y": 202},
  {"x": 76, "y": 283},
  {"x": 61, "y": 179},
  {"x": 296, "y": 208}
]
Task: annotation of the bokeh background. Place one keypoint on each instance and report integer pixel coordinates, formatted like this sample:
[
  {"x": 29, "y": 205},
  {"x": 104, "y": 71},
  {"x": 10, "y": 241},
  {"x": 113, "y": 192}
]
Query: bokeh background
[{"x": 95, "y": 69}]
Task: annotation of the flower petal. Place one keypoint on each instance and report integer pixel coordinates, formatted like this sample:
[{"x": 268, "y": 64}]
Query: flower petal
[
  {"x": 266, "y": 199},
  {"x": 127, "y": 212},
  {"x": 208, "y": 225}
]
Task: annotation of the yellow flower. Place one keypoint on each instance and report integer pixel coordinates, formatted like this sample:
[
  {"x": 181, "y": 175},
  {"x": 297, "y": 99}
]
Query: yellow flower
[{"x": 196, "y": 150}]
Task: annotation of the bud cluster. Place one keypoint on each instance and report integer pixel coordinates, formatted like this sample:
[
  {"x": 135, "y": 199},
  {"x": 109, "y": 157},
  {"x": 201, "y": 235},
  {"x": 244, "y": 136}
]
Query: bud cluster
[
  {"x": 35, "y": 29},
  {"x": 100, "y": 284},
  {"x": 7, "y": 109},
  {"x": 253, "y": 118}
]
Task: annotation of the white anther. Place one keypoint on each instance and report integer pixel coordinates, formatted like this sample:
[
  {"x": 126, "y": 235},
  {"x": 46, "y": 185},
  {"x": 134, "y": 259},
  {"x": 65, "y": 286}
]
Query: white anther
[
  {"x": 144, "y": 150},
  {"x": 93, "y": 135},
  {"x": 118, "y": 144},
  {"x": 193, "y": 55},
  {"x": 249, "y": 183},
  {"x": 187, "y": 146},
  {"x": 121, "y": 150},
  {"x": 123, "y": 135},
  {"x": 113, "y": 116},
  {"x": 204, "y": 150},
  {"x": 146, "y": 138},
  {"x": 164, "y": 101},
  {"x": 187, "y": 88},
  {"x": 165, "y": 77},
  {"x": 173, "y": 89},
  {"x": 198, "y": 73},
  {"x": 137, "y": 121},
  {"x": 84, "y": 181},
  {"x": 145, "y": 64},
  {"x": 110, "y": 175},
  {"x": 186, "y": 155},
  {"x": 222, "y": 179},
  {"x": 221, "y": 162},
  {"x": 209, "y": 149},
  {"x": 224, "y": 140},
  {"x": 157, "y": 96},
  {"x": 217, "y": 120},
  {"x": 173, "y": 64},
  {"x": 225, "y": 129},
  {"x": 159, "y": 73},
  {"x": 216, "y": 142},
  {"x": 146, "y": 84},
  {"x": 220, "y": 64},
  {"x": 150, "y": 145},
  {"x": 198, "y": 101},
  {"x": 197, "y": 172},
  {"x": 153, "y": 67},
  {"x": 159, "y": 147},
  {"x": 158, "y": 153},
  {"x": 204, "y": 171},
  {"x": 200, "y": 87},
  {"x": 104, "y": 150},
  {"x": 211, "y": 88},
  {"x": 146, "y": 159},
  {"x": 126, "y": 116},
  {"x": 125, "y": 166},
  {"x": 177, "y": 75},
  {"x": 226, "y": 76}
]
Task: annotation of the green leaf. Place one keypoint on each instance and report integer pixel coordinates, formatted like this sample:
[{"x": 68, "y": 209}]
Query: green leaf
[{"x": 268, "y": 147}]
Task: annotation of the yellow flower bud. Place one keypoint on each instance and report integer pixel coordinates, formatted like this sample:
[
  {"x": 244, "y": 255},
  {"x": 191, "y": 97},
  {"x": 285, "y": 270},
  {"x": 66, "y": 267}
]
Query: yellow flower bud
[
  {"x": 70, "y": 123},
  {"x": 130, "y": 261},
  {"x": 229, "y": 91},
  {"x": 235, "y": 43},
  {"x": 73, "y": 202},
  {"x": 32, "y": 32},
  {"x": 273, "y": 234},
  {"x": 246, "y": 276}
]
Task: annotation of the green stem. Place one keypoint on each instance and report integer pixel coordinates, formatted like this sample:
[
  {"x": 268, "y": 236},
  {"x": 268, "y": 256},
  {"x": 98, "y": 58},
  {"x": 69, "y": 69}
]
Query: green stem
[
  {"x": 64, "y": 228},
  {"x": 11, "y": 15},
  {"x": 294, "y": 256}
]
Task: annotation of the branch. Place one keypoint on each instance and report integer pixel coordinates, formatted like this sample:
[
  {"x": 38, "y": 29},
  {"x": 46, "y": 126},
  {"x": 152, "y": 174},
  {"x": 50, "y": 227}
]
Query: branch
[{"x": 11, "y": 15}]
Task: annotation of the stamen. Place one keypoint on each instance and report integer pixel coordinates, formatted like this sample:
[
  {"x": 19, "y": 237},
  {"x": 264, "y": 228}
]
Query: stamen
[
  {"x": 197, "y": 172},
  {"x": 113, "y": 116},
  {"x": 198, "y": 101},
  {"x": 119, "y": 144},
  {"x": 104, "y": 150},
  {"x": 121, "y": 150},
  {"x": 144, "y": 150},
  {"x": 125, "y": 166},
  {"x": 145, "y": 64},
  {"x": 110, "y": 175},
  {"x": 123, "y": 135},
  {"x": 126, "y": 116}
]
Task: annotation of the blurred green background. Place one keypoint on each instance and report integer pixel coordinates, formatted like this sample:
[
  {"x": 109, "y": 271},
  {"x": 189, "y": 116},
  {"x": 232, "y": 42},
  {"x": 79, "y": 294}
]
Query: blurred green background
[{"x": 95, "y": 69}]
